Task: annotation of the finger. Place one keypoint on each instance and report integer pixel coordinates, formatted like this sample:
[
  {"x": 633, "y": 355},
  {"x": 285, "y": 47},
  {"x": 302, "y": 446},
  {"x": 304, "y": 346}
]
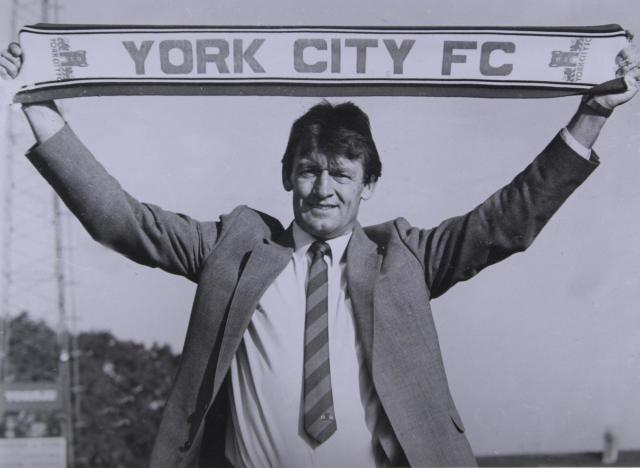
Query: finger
[
  {"x": 630, "y": 51},
  {"x": 633, "y": 78},
  {"x": 15, "y": 59},
  {"x": 15, "y": 49},
  {"x": 8, "y": 67},
  {"x": 624, "y": 62},
  {"x": 628, "y": 58},
  {"x": 622, "y": 71}
]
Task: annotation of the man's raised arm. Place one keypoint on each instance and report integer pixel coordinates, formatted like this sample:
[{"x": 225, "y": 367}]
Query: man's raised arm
[
  {"x": 145, "y": 233},
  {"x": 509, "y": 220}
]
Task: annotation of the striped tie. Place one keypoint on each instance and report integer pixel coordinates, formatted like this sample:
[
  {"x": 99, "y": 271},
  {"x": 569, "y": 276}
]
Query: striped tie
[{"x": 319, "y": 414}]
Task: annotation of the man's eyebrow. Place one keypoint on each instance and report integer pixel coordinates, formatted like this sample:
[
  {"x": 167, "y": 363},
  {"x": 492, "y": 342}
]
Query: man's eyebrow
[
  {"x": 340, "y": 164},
  {"x": 335, "y": 163},
  {"x": 307, "y": 162}
]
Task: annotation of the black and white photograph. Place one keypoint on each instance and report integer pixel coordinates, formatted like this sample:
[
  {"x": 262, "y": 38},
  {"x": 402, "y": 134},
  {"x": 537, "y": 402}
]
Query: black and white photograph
[{"x": 319, "y": 234}]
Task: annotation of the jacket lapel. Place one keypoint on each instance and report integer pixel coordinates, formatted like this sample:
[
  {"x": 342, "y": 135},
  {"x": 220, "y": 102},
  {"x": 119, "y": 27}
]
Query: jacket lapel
[
  {"x": 265, "y": 263},
  {"x": 363, "y": 265}
]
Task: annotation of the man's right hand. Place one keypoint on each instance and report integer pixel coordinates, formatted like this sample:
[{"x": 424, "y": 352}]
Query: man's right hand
[
  {"x": 10, "y": 61},
  {"x": 44, "y": 117}
]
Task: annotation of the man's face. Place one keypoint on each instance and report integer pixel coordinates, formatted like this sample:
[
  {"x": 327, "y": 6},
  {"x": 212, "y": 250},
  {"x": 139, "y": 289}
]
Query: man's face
[{"x": 326, "y": 193}]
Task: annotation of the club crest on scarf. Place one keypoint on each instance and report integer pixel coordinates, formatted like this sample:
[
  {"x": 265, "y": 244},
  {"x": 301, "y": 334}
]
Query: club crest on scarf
[
  {"x": 64, "y": 59},
  {"x": 572, "y": 60}
]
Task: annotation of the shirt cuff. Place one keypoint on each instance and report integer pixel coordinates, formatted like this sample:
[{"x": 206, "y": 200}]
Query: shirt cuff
[{"x": 574, "y": 144}]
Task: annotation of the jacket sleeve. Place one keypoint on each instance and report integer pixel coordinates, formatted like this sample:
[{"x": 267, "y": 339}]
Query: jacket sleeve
[
  {"x": 143, "y": 232},
  {"x": 507, "y": 222}
]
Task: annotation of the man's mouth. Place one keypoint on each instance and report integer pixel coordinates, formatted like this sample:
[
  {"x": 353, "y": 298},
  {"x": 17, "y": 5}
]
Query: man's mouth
[{"x": 321, "y": 207}]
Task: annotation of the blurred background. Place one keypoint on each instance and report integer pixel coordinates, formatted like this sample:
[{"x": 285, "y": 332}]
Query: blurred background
[{"x": 542, "y": 351}]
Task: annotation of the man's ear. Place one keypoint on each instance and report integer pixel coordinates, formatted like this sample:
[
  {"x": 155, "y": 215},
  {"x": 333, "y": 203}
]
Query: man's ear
[
  {"x": 286, "y": 180},
  {"x": 368, "y": 190}
]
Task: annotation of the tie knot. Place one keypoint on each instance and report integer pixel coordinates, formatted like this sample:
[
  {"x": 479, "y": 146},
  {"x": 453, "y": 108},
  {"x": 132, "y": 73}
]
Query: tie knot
[{"x": 318, "y": 249}]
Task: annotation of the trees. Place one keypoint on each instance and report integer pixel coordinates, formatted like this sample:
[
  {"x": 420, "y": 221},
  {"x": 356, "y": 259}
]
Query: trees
[{"x": 124, "y": 387}]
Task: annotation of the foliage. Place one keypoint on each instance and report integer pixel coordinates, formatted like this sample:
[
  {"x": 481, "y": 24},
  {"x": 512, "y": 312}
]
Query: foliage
[
  {"x": 123, "y": 389},
  {"x": 33, "y": 351}
]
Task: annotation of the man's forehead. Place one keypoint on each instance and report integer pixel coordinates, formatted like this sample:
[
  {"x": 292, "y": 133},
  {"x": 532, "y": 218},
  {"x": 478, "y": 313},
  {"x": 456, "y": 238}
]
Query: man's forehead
[{"x": 318, "y": 158}]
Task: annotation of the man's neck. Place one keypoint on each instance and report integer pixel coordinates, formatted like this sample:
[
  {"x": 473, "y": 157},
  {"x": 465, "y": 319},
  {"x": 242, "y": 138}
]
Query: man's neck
[{"x": 302, "y": 240}]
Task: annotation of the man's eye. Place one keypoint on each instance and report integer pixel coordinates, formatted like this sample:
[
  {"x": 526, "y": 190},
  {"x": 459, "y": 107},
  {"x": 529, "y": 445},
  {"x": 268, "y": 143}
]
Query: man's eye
[{"x": 341, "y": 177}]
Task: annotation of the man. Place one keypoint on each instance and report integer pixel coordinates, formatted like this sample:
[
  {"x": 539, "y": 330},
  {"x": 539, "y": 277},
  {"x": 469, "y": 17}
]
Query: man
[{"x": 315, "y": 345}]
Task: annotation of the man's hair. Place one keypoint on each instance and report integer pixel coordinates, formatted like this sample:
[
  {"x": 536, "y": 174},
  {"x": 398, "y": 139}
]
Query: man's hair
[{"x": 340, "y": 130}]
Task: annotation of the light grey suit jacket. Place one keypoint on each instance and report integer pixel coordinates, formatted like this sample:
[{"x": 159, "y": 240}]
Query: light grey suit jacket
[{"x": 393, "y": 270}]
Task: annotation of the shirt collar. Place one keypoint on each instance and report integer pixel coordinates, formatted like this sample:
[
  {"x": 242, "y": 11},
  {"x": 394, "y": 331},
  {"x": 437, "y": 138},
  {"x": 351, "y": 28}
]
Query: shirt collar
[{"x": 302, "y": 240}]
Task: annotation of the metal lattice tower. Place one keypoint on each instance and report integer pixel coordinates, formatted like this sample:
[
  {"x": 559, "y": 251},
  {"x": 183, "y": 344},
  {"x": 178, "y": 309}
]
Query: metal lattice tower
[{"x": 36, "y": 274}]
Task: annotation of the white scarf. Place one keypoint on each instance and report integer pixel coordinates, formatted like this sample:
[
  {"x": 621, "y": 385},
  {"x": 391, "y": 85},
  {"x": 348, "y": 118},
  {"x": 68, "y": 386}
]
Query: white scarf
[{"x": 80, "y": 60}]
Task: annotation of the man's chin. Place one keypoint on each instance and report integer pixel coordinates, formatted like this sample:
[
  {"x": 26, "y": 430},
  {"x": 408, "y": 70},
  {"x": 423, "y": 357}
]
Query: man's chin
[
  {"x": 322, "y": 233},
  {"x": 320, "y": 230}
]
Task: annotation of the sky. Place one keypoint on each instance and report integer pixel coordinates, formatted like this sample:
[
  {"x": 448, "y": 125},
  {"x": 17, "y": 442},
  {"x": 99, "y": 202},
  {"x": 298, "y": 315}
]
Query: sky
[{"x": 541, "y": 350}]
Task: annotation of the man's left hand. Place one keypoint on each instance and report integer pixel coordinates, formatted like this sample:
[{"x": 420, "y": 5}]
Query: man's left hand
[{"x": 628, "y": 62}]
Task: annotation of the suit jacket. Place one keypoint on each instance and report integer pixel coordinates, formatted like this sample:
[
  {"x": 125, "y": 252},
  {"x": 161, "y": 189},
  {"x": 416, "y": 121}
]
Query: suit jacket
[{"x": 393, "y": 270}]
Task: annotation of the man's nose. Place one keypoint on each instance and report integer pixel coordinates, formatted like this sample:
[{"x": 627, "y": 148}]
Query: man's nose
[{"x": 322, "y": 186}]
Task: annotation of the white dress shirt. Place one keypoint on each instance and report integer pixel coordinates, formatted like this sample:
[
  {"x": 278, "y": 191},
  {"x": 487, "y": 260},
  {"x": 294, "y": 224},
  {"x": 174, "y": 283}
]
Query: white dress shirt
[{"x": 265, "y": 427}]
